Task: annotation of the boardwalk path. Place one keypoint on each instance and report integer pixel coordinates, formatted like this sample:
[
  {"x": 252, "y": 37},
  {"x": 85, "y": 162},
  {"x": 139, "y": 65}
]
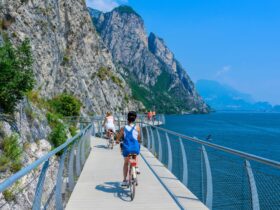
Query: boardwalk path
[{"x": 99, "y": 184}]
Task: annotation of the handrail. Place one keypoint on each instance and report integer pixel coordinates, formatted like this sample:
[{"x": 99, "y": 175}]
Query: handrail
[
  {"x": 256, "y": 158},
  {"x": 273, "y": 163},
  {"x": 203, "y": 168},
  {"x": 12, "y": 179}
]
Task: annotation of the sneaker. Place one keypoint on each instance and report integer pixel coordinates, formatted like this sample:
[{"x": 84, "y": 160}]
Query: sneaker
[
  {"x": 137, "y": 170},
  {"x": 124, "y": 183}
]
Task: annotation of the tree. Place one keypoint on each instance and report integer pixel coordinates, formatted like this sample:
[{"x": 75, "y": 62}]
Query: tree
[{"x": 16, "y": 74}]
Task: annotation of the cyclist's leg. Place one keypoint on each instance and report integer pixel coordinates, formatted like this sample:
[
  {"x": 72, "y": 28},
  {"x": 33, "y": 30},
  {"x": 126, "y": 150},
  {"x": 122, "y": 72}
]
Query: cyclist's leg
[
  {"x": 125, "y": 171},
  {"x": 137, "y": 165},
  {"x": 125, "y": 168}
]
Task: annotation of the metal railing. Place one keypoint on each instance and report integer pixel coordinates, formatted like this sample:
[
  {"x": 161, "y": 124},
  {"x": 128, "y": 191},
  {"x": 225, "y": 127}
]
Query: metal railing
[
  {"x": 222, "y": 178},
  {"x": 66, "y": 162}
]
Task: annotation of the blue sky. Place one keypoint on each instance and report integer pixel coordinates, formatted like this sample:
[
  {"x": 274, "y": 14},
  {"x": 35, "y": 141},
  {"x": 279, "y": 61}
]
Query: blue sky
[{"x": 236, "y": 42}]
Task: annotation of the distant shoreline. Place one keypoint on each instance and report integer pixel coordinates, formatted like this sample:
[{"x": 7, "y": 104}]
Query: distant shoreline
[
  {"x": 247, "y": 111},
  {"x": 228, "y": 111}
]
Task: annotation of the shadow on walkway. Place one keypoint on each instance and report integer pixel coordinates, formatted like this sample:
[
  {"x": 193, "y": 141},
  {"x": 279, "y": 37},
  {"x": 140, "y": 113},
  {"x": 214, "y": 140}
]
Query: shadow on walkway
[
  {"x": 116, "y": 189},
  {"x": 101, "y": 146}
]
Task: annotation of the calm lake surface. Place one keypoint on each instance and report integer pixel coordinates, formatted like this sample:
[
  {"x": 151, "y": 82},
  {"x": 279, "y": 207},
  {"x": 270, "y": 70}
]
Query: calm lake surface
[{"x": 256, "y": 133}]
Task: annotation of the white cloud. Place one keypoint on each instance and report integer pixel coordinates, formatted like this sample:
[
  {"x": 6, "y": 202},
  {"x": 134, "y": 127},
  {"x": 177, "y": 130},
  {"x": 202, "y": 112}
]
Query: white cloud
[
  {"x": 223, "y": 71},
  {"x": 105, "y": 5}
]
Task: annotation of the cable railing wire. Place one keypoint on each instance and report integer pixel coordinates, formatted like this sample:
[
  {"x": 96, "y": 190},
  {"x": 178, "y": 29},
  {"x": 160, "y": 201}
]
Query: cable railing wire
[
  {"x": 39, "y": 165},
  {"x": 233, "y": 187}
]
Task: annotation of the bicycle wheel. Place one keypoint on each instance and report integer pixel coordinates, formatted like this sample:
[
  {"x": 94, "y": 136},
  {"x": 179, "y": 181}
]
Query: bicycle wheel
[
  {"x": 112, "y": 142},
  {"x": 132, "y": 186}
]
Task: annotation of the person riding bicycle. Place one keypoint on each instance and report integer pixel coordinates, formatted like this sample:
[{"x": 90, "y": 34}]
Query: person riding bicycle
[
  {"x": 130, "y": 134},
  {"x": 109, "y": 124}
]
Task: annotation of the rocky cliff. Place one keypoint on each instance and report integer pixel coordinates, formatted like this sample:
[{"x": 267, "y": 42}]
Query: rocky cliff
[
  {"x": 155, "y": 76},
  {"x": 69, "y": 55}
]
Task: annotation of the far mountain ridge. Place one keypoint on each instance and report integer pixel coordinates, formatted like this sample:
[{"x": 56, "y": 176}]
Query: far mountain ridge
[
  {"x": 156, "y": 78},
  {"x": 223, "y": 97}
]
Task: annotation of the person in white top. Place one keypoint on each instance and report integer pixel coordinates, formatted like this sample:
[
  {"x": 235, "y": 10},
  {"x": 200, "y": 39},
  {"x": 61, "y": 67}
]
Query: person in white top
[{"x": 109, "y": 123}]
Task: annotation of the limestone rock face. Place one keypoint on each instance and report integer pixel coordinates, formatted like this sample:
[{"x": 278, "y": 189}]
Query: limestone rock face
[
  {"x": 69, "y": 56},
  {"x": 159, "y": 79},
  {"x": 125, "y": 37},
  {"x": 181, "y": 85},
  {"x": 33, "y": 132},
  {"x": 67, "y": 52}
]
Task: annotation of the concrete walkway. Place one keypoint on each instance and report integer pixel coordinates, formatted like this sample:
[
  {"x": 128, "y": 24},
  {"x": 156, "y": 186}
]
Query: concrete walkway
[{"x": 99, "y": 184}]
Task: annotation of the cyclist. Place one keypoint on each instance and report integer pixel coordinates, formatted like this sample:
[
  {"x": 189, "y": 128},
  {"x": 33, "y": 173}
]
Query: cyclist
[
  {"x": 131, "y": 137},
  {"x": 109, "y": 124}
]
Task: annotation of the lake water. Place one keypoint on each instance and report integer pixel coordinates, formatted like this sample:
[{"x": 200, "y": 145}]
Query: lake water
[{"x": 255, "y": 133}]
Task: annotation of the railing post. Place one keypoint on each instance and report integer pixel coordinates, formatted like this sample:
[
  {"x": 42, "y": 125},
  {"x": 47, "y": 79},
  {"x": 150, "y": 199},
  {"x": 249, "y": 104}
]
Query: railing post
[
  {"x": 93, "y": 128},
  {"x": 153, "y": 149},
  {"x": 71, "y": 182},
  {"x": 78, "y": 160},
  {"x": 89, "y": 142},
  {"x": 119, "y": 122},
  {"x": 159, "y": 146},
  {"x": 148, "y": 137},
  {"x": 209, "y": 190},
  {"x": 169, "y": 152},
  {"x": 100, "y": 127},
  {"x": 83, "y": 154},
  {"x": 185, "y": 163},
  {"x": 39, "y": 188},
  {"x": 141, "y": 132},
  {"x": 253, "y": 187},
  {"x": 59, "y": 182}
]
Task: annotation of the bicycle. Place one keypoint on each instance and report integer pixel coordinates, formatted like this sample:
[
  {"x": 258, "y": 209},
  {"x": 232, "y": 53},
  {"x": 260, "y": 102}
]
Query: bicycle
[
  {"x": 111, "y": 139},
  {"x": 133, "y": 182}
]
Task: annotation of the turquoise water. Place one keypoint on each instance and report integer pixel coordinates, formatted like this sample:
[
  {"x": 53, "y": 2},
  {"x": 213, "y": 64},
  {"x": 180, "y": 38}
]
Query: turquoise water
[{"x": 256, "y": 133}]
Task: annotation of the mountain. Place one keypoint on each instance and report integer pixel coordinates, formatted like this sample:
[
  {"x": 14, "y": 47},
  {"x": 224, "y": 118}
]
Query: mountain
[
  {"x": 94, "y": 13},
  {"x": 148, "y": 66},
  {"x": 276, "y": 108},
  {"x": 224, "y": 97},
  {"x": 69, "y": 55}
]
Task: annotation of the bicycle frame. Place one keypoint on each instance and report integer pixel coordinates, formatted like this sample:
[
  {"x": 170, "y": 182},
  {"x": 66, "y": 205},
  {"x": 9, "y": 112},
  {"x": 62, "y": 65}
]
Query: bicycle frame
[
  {"x": 133, "y": 182},
  {"x": 111, "y": 140}
]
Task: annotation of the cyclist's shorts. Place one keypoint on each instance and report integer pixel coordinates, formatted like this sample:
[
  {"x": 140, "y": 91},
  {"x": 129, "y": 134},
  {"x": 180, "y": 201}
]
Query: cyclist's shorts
[
  {"x": 127, "y": 151},
  {"x": 110, "y": 127}
]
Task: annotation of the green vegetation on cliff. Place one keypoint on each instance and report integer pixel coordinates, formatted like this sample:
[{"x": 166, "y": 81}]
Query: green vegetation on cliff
[
  {"x": 60, "y": 106},
  {"x": 63, "y": 105},
  {"x": 16, "y": 74},
  {"x": 157, "y": 96},
  {"x": 11, "y": 157},
  {"x": 104, "y": 73},
  {"x": 66, "y": 105}
]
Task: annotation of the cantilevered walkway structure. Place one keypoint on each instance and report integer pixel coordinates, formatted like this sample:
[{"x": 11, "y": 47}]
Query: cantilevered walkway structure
[
  {"x": 177, "y": 172},
  {"x": 99, "y": 184}
]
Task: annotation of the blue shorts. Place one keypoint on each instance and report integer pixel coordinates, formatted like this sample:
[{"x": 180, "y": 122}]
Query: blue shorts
[{"x": 128, "y": 151}]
